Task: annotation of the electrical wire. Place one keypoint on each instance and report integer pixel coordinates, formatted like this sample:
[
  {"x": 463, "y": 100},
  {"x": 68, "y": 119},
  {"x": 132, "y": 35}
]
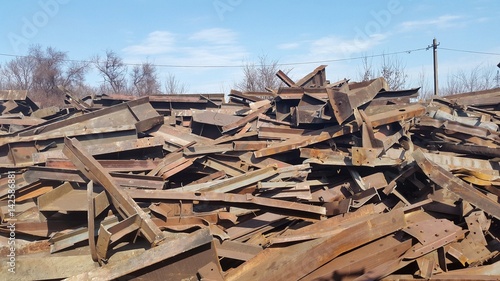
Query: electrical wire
[
  {"x": 280, "y": 64},
  {"x": 241, "y": 66},
  {"x": 471, "y": 52}
]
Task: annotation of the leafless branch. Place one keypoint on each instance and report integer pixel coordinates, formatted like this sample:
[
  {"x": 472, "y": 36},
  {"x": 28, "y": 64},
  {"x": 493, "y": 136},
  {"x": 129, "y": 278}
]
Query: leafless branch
[
  {"x": 173, "y": 86},
  {"x": 113, "y": 70},
  {"x": 256, "y": 78}
]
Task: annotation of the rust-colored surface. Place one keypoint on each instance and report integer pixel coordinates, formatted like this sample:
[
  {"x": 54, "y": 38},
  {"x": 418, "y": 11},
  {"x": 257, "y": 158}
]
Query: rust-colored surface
[{"x": 311, "y": 181}]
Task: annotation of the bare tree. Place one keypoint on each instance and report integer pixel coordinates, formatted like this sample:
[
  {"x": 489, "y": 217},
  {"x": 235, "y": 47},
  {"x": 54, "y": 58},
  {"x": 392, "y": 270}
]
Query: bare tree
[
  {"x": 53, "y": 69},
  {"x": 113, "y": 70},
  {"x": 41, "y": 72},
  {"x": 145, "y": 80},
  {"x": 75, "y": 75},
  {"x": 367, "y": 72},
  {"x": 477, "y": 79},
  {"x": 425, "y": 90},
  {"x": 173, "y": 86},
  {"x": 394, "y": 72},
  {"x": 48, "y": 65},
  {"x": 18, "y": 73},
  {"x": 391, "y": 68},
  {"x": 256, "y": 78}
]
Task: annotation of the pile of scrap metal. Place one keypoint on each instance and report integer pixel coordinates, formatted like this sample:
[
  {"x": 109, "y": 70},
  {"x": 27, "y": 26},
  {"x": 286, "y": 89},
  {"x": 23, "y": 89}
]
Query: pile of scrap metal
[{"x": 311, "y": 181}]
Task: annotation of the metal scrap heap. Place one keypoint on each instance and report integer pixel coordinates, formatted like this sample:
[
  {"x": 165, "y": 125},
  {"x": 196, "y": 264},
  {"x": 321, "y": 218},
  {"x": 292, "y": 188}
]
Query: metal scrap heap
[{"x": 311, "y": 181}]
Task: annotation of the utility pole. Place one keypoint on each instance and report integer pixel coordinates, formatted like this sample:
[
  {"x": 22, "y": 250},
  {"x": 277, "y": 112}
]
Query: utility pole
[
  {"x": 498, "y": 76},
  {"x": 434, "y": 48}
]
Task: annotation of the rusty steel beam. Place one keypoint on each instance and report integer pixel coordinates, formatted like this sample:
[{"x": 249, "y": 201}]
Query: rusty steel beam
[
  {"x": 249, "y": 145},
  {"x": 232, "y": 182},
  {"x": 215, "y": 118},
  {"x": 121, "y": 117},
  {"x": 91, "y": 213},
  {"x": 362, "y": 259},
  {"x": 309, "y": 114},
  {"x": 243, "y": 121},
  {"x": 241, "y": 181},
  {"x": 401, "y": 114},
  {"x": 102, "y": 148},
  {"x": 219, "y": 165},
  {"x": 295, "y": 94},
  {"x": 249, "y": 159},
  {"x": 124, "y": 180},
  {"x": 253, "y": 225},
  {"x": 298, "y": 260},
  {"x": 344, "y": 103},
  {"x": 66, "y": 240},
  {"x": 26, "y": 121},
  {"x": 110, "y": 165},
  {"x": 67, "y": 197},
  {"x": 239, "y": 135},
  {"x": 35, "y": 267},
  {"x": 121, "y": 200},
  {"x": 476, "y": 98},
  {"x": 147, "y": 258},
  {"x": 224, "y": 197},
  {"x": 207, "y": 149},
  {"x": 115, "y": 233},
  {"x": 452, "y": 162},
  {"x": 316, "y": 78},
  {"x": 447, "y": 180},
  {"x": 279, "y": 133},
  {"x": 332, "y": 158},
  {"x": 287, "y": 80},
  {"x": 237, "y": 250},
  {"x": 210, "y": 177},
  {"x": 311, "y": 138},
  {"x": 432, "y": 234},
  {"x": 15, "y": 95},
  {"x": 491, "y": 152},
  {"x": 244, "y": 96}
]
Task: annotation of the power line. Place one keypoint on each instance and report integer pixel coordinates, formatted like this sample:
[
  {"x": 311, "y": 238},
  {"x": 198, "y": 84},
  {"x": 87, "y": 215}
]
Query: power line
[
  {"x": 355, "y": 58},
  {"x": 281, "y": 64},
  {"x": 472, "y": 52},
  {"x": 240, "y": 66}
]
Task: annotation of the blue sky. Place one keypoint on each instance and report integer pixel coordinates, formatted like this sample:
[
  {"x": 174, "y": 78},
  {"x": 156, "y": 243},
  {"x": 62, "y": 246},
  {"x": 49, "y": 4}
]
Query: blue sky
[{"x": 232, "y": 32}]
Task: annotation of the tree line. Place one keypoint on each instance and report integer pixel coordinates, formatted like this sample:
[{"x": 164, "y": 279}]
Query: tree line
[{"x": 48, "y": 73}]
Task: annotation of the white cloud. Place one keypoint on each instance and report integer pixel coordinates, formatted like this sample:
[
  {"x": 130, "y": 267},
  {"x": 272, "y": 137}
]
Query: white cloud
[
  {"x": 340, "y": 47},
  {"x": 206, "y": 47},
  {"x": 288, "y": 46},
  {"x": 218, "y": 36},
  {"x": 214, "y": 46},
  {"x": 157, "y": 42},
  {"x": 444, "y": 21},
  {"x": 483, "y": 19}
]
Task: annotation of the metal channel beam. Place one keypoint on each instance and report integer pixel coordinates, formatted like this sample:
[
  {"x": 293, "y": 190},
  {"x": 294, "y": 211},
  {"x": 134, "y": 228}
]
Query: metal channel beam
[
  {"x": 124, "y": 180},
  {"x": 249, "y": 118},
  {"x": 396, "y": 115},
  {"x": 295, "y": 261},
  {"x": 150, "y": 257},
  {"x": 343, "y": 104},
  {"x": 362, "y": 259},
  {"x": 224, "y": 197},
  {"x": 121, "y": 200},
  {"x": 312, "y": 138},
  {"x": 242, "y": 180},
  {"x": 447, "y": 180}
]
